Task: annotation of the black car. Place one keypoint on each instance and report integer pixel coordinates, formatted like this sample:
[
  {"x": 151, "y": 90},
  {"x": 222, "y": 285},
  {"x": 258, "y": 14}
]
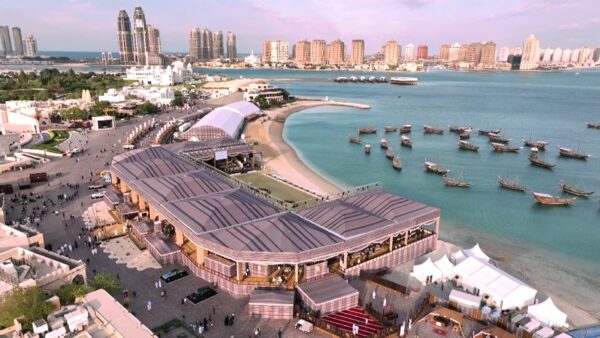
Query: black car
[
  {"x": 173, "y": 275},
  {"x": 201, "y": 294}
]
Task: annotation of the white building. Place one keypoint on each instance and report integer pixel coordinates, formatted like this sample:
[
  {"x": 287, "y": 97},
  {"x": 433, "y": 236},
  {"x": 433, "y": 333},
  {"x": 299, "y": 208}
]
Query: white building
[
  {"x": 547, "y": 55},
  {"x": 252, "y": 60},
  {"x": 557, "y": 55},
  {"x": 566, "y": 55},
  {"x": 112, "y": 96},
  {"x": 515, "y": 51},
  {"x": 409, "y": 54},
  {"x": 30, "y": 45},
  {"x": 575, "y": 55},
  {"x": 261, "y": 89},
  {"x": 454, "y": 52},
  {"x": 279, "y": 51},
  {"x": 159, "y": 96},
  {"x": 177, "y": 72},
  {"x": 503, "y": 54},
  {"x": 531, "y": 53}
]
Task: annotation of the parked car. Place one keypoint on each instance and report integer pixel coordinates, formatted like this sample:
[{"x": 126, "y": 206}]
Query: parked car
[
  {"x": 173, "y": 275},
  {"x": 97, "y": 196},
  {"x": 201, "y": 294},
  {"x": 96, "y": 187},
  {"x": 304, "y": 326}
]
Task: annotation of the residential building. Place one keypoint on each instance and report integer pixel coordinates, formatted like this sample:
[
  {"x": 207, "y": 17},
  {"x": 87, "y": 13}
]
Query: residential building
[
  {"x": 445, "y": 52},
  {"x": 195, "y": 44},
  {"x": 358, "y": 52},
  {"x": 547, "y": 55},
  {"x": 16, "y": 32},
  {"x": 454, "y": 52},
  {"x": 586, "y": 55},
  {"x": 531, "y": 53},
  {"x": 280, "y": 51},
  {"x": 125, "y": 38},
  {"x": 154, "y": 47},
  {"x": 515, "y": 51},
  {"x": 266, "y": 53},
  {"x": 176, "y": 73},
  {"x": 217, "y": 42},
  {"x": 336, "y": 52},
  {"x": 302, "y": 54},
  {"x": 30, "y": 46},
  {"x": 566, "y": 55},
  {"x": 317, "y": 52},
  {"x": 462, "y": 52},
  {"x": 503, "y": 54},
  {"x": 231, "y": 46},
  {"x": 264, "y": 90},
  {"x": 575, "y": 55},
  {"x": 422, "y": 52},
  {"x": 474, "y": 52},
  {"x": 557, "y": 55},
  {"x": 140, "y": 37},
  {"x": 5, "y": 39},
  {"x": 596, "y": 56},
  {"x": 392, "y": 53},
  {"x": 409, "y": 54},
  {"x": 206, "y": 44},
  {"x": 488, "y": 54}
]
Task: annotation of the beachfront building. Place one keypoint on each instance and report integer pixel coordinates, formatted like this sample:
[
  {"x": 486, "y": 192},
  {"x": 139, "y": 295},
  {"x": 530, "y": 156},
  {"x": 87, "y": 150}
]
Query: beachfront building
[
  {"x": 358, "y": 52},
  {"x": 531, "y": 53},
  {"x": 336, "y": 52},
  {"x": 409, "y": 54},
  {"x": 392, "y": 53},
  {"x": 422, "y": 52},
  {"x": 264, "y": 90},
  {"x": 240, "y": 238},
  {"x": 318, "y": 49},
  {"x": 302, "y": 55},
  {"x": 177, "y": 72}
]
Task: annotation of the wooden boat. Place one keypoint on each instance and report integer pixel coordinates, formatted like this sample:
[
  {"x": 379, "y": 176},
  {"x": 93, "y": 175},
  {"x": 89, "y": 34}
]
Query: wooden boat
[
  {"x": 383, "y": 143},
  {"x": 355, "y": 139},
  {"x": 465, "y": 134},
  {"x": 538, "y": 162},
  {"x": 511, "y": 185},
  {"x": 405, "y": 129},
  {"x": 486, "y": 132},
  {"x": 552, "y": 200},
  {"x": 435, "y": 168},
  {"x": 541, "y": 145},
  {"x": 362, "y": 131},
  {"x": 593, "y": 125},
  {"x": 567, "y": 152},
  {"x": 367, "y": 149},
  {"x": 405, "y": 141},
  {"x": 432, "y": 130},
  {"x": 389, "y": 129},
  {"x": 465, "y": 145},
  {"x": 397, "y": 163},
  {"x": 569, "y": 189},
  {"x": 458, "y": 129},
  {"x": 497, "y": 138},
  {"x": 459, "y": 183},
  {"x": 389, "y": 153},
  {"x": 503, "y": 148}
]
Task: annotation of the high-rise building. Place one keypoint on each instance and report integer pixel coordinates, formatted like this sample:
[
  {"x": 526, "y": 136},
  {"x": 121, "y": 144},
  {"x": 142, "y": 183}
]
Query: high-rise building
[
  {"x": 585, "y": 55},
  {"x": 206, "y": 44},
  {"x": 516, "y": 51},
  {"x": 5, "y": 37},
  {"x": 474, "y": 52},
  {"x": 16, "y": 31},
  {"x": 154, "y": 47},
  {"x": 217, "y": 41},
  {"x": 575, "y": 55},
  {"x": 557, "y": 55},
  {"x": 30, "y": 46},
  {"x": 488, "y": 53},
  {"x": 336, "y": 52},
  {"x": 596, "y": 56},
  {"x": 409, "y": 54},
  {"x": 280, "y": 51},
  {"x": 302, "y": 54},
  {"x": 231, "y": 46},
  {"x": 125, "y": 42},
  {"x": 445, "y": 52},
  {"x": 392, "y": 53},
  {"x": 547, "y": 55},
  {"x": 140, "y": 37},
  {"x": 503, "y": 54},
  {"x": 531, "y": 53},
  {"x": 358, "y": 52},
  {"x": 266, "y": 54},
  {"x": 566, "y": 56},
  {"x": 317, "y": 52},
  {"x": 454, "y": 52},
  {"x": 195, "y": 44},
  {"x": 422, "y": 52}
]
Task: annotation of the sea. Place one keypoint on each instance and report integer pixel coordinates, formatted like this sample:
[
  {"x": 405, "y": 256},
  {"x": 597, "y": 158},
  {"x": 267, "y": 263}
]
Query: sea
[{"x": 549, "y": 106}]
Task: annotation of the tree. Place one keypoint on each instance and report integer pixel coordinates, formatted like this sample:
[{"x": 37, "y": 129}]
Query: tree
[
  {"x": 74, "y": 113},
  {"x": 102, "y": 108},
  {"x": 193, "y": 96},
  {"x": 261, "y": 102},
  {"x": 107, "y": 282},
  {"x": 55, "y": 117},
  {"x": 178, "y": 100},
  {"x": 147, "y": 108},
  {"x": 29, "y": 304},
  {"x": 69, "y": 292}
]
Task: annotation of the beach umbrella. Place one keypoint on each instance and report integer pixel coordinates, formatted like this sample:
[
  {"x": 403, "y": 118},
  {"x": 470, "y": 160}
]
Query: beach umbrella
[{"x": 402, "y": 329}]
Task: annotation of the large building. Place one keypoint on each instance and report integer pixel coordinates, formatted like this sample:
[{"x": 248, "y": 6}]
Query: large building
[
  {"x": 17, "y": 37},
  {"x": 302, "y": 54},
  {"x": 557, "y": 55},
  {"x": 280, "y": 51},
  {"x": 318, "y": 49},
  {"x": 474, "y": 52},
  {"x": 596, "y": 55},
  {"x": 531, "y": 53},
  {"x": 454, "y": 52},
  {"x": 336, "y": 52},
  {"x": 217, "y": 43},
  {"x": 195, "y": 44},
  {"x": 141, "y": 46},
  {"x": 392, "y": 53},
  {"x": 30, "y": 46},
  {"x": 176, "y": 73},
  {"x": 5, "y": 40},
  {"x": 409, "y": 52},
  {"x": 154, "y": 46},
  {"x": 125, "y": 38},
  {"x": 503, "y": 54},
  {"x": 266, "y": 52},
  {"x": 422, "y": 52},
  {"x": 566, "y": 55},
  {"x": 445, "y": 52},
  {"x": 547, "y": 55},
  {"x": 358, "y": 52},
  {"x": 231, "y": 46},
  {"x": 488, "y": 54}
]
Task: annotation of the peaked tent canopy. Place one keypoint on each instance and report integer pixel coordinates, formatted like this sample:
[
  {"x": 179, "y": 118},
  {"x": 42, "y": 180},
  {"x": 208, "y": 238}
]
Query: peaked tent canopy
[
  {"x": 445, "y": 266},
  {"x": 477, "y": 253},
  {"x": 426, "y": 269},
  {"x": 458, "y": 257},
  {"x": 547, "y": 313}
]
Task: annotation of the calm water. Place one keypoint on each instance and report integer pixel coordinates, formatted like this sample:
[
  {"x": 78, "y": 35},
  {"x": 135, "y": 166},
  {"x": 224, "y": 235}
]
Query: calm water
[{"x": 550, "y": 106}]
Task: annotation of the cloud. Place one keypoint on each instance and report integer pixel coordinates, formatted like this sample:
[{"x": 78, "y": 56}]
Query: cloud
[
  {"x": 416, "y": 3},
  {"x": 580, "y": 24},
  {"x": 529, "y": 8}
]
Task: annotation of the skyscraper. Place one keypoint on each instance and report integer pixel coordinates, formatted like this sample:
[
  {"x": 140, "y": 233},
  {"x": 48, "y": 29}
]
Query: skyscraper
[
  {"x": 445, "y": 52},
  {"x": 503, "y": 54},
  {"x": 317, "y": 52},
  {"x": 488, "y": 53},
  {"x": 231, "y": 46},
  {"x": 358, "y": 52},
  {"x": 140, "y": 37},
  {"x": 392, "y": 53},
  {"x": 154, "y": 47},
  {"x": 547, "y": 55},
  {"x": 575, "y": 55},
  {"x": 531, "y": 53},
  {"x": 207, "y": 44},
  {"x": 5, "y": 37},
  {"x": 566, "y": 56},
  {"x": 16, "y": 31},
  {"x": 30, "y": 46},
  {"x": 474, "y": 52},
  {"x": 422, "y": 52},
  {"x": 409, "y": 52},
  {"x": 125, "y": 42},
  {"x": 195, "y": 44},
  {"x": 596, "y": 56},
  {"x": 557, "y": 55},
  {"x": 217, "y": 41},
  {"x": 302, "y": 52},
  {"x": 279, "y": 51},
  {"x": 454, "y": 52},
  {"x": 266, "y": 54},
  {"x": 335, "y": 52}
]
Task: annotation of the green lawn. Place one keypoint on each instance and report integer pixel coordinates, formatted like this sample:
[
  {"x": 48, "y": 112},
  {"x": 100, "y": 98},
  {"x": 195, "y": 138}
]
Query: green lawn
[
  {"x": 277, "y": 189},
  {"x": 58, "y": 137}
]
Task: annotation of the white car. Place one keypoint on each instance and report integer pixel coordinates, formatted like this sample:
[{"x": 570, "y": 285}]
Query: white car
[{"x": 97, "y": 196}]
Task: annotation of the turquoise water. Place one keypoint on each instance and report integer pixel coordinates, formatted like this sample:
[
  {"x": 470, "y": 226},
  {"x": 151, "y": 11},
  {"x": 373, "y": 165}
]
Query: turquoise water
[{"x": 551, "y": 106}]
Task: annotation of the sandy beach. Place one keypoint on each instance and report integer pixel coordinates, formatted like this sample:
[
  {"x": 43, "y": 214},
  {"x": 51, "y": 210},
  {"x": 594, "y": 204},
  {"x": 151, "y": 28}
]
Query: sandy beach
[{"x": 280, "y": 158}]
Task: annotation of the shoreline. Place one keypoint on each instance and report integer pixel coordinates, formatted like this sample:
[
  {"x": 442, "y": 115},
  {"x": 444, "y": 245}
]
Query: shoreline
[{"x": 280, "y": 157}]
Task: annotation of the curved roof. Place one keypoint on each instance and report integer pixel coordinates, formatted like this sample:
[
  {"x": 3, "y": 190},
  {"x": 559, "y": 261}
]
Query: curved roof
[{"x": 223, "y": 121}]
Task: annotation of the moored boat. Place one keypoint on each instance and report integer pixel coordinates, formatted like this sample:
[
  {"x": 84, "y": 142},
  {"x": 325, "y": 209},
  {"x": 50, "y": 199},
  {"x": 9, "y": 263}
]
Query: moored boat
[
  {"x": 466, "y": 134},
  {"x": 593, "y": 125},
  {"x": 405, "y": 141},
  {"x": 405, "y": 129},
  {"x": 569, "y": 189},
  {"x": 570, "y": 153},
  {"x": 435, "y": 168},
  {"x": 497, "y": 138},
  {"x": 355, "y": 139},
  {"x": 458, "y": 182},
  {"x": 383, "y": 143},
  {"x": 538, "y": 162},
  {"x": 511, "y": 184},
  {"x": 389, "y": 153},
  {"x": 465, "y": 145},
  {"x": 503, "y": 148},
  {"x": 362, "y": 131},
  {"x": 397, "y": 163},
  {"x": 367, "y": 149},
  {"x": 552, "y": 200},
  {"x": 389, "y": 129},
  {"x": 486, "y": 132},
  {"x": 458, "y": 129},
  {"x": 432, "y": 130},
  {"x": 541, "y": 145}
]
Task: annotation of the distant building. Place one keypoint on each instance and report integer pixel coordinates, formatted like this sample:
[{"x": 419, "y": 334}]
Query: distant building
[
  {"x": 596, "y": 56},
  {"x": 586, "y": 55},
  {"x": 409, "y": 54},
  {"x": 336, "y": 52},
  {"x": 5, "y": 39},
  {"x": 531, "y": 53},
  {"x": 206, "y": 44},
  {"x": 454, "y": 52},
  {"x": 392, "y": 53},
  {"x": 488, "y": 54},
  {"x": 264, "y": 90},
  {"x": 474, "y": 52},
  {"x": 445, "y": 52},
  {"x": 140, "y": 37},
  {"x": 217, "y": 41},
  {"x": 422, "y": 52},
  {"x": 280, "y": 51},
  {"x": 557, "y": 55},
  {"x": 16, "y": 31},
  {"x": 252, "y": 60},
  {"x": 575, "y": 55},
  {"x": 231, "y": 46},
  {"x": 547, "y": 55},
  {"x": 30, "y": 44},
  {"x": 503, "y": 54},
  {"x": 317, "y": 52},
  {"x": 302, "y": 55},
  {"x": 358, "y": 52},
  {"x": 156, "y": 75},
  {"x": 566, "y": 55},
  {"x": 515, "y": 51},
  {"x": 195, "y": 44},
  {"x": 266, "y": 52},
  {"x": 154, "y": 48},
  {"x": 125, "y": 38}
]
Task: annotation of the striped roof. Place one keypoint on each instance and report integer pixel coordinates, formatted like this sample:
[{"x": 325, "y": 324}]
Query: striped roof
[
  {"x": 271, "y": 297},
  {"x": 393, "y": 207},
  {"x": 150, "y": 162},
  {"x": 182, "y": 186},
  {"x": 326, "y": 289}
]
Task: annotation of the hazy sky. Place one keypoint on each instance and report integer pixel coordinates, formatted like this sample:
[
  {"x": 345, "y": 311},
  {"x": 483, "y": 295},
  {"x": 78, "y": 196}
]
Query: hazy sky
[{"x": 90, "y": 25}]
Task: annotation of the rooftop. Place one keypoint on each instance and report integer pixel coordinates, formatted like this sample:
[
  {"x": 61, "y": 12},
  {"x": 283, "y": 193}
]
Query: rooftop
[{"x": 326, "y": 289}]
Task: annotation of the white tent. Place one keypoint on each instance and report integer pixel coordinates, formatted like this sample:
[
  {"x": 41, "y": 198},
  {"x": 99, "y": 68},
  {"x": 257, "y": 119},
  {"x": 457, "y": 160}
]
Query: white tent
[
  {"x": 544, "y": 332},
  {"x": 458, "y": 257},
  {"x": 465, "y": 299},
  {"x": 445, "y": 266},
  {"x": 477, "y": 253},
  {"x": 547, "y": 313},
  {"x": 426, "y": 269}
]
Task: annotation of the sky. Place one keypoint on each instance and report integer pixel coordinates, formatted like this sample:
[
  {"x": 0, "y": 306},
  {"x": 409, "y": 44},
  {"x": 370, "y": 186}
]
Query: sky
[{"x": 91, "y": 25}]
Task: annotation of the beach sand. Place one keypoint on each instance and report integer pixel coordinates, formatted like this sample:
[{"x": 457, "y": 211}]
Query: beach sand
[{"x": 281, "y": 159}]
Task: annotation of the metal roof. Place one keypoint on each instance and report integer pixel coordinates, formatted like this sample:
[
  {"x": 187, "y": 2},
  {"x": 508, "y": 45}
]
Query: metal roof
[{"x": 223, "y": 121}]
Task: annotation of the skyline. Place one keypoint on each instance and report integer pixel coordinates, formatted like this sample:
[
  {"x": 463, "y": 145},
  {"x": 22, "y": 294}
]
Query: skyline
[{"x": 557, "y": 23}]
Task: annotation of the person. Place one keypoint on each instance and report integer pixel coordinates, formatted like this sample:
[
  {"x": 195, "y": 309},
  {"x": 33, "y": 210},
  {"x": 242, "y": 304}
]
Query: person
[
  {"x": 226, "y": 320},
  {"x": 279, "y": 333}
]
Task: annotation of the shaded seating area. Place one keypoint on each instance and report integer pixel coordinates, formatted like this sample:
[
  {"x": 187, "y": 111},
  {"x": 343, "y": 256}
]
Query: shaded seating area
[
  {"x": 444, "y": 319},
  {"x": 367, "y": 326},
  {"x": 272, "y": 304},
  {"x": 328, "y": 295}
]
